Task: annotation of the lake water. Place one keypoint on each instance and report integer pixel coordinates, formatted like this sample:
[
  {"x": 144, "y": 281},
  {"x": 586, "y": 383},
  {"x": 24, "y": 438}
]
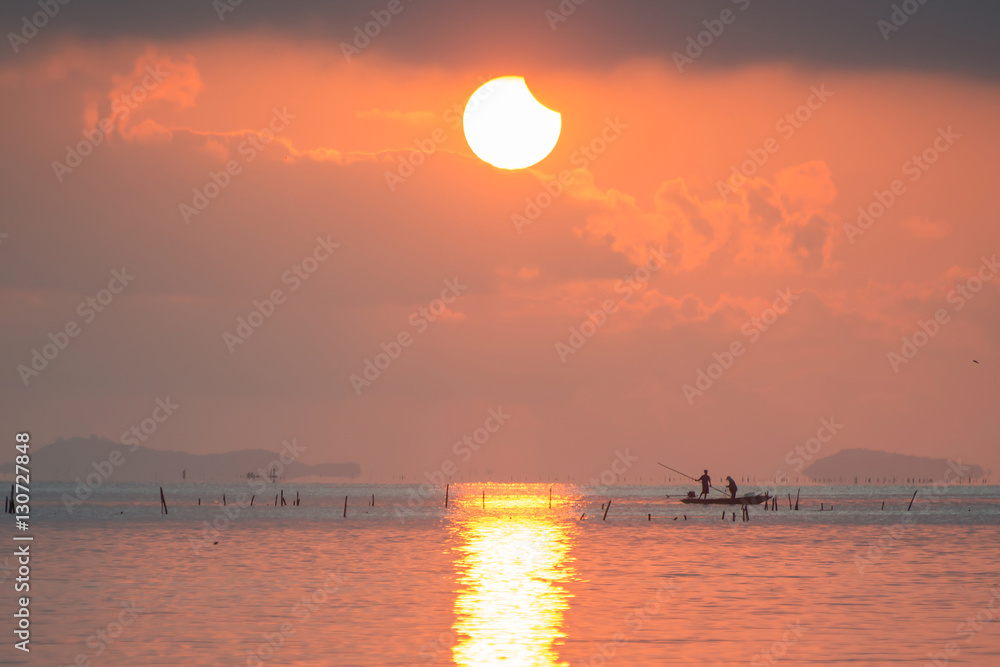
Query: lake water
[{"x": 507, "y": 580}]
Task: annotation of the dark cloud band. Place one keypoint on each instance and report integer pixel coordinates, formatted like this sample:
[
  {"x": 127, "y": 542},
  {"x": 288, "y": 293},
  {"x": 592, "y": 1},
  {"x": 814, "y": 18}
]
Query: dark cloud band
[{"x": 954, "y": 36}]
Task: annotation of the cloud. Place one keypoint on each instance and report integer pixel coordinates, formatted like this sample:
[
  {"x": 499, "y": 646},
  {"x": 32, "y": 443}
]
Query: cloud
[
  {"x": 922, "y": 227},
  {"x": 118, "y": 103},
  {"x": 941, "y": 36},
  {"x": 787, "y": 224}
]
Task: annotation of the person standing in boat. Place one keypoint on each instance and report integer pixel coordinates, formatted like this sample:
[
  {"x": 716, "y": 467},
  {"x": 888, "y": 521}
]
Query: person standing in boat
[
  {"x": 706, "y": 483},
  {"x": 732, "y": 486}
]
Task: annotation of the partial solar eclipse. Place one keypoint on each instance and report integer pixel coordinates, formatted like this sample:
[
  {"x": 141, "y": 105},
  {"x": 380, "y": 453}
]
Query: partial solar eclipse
[{"x": 507, "y": 127}]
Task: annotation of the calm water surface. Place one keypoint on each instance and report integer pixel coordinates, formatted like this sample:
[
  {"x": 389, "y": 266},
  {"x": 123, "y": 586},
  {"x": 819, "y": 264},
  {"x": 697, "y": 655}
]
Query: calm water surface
[{"x": 509, "y": 581}]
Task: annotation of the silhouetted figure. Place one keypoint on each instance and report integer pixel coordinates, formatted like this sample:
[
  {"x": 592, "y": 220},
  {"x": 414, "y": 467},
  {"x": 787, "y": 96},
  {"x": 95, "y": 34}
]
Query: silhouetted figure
[
  {"x": 706, "y": 482},
  {"x": 732, "y": 486}
]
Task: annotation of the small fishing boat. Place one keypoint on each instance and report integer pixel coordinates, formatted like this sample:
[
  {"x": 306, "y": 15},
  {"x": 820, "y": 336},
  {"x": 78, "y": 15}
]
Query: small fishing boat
[
  {"x": 748, "y": 499},
  {"x": 744, "y": 500}
]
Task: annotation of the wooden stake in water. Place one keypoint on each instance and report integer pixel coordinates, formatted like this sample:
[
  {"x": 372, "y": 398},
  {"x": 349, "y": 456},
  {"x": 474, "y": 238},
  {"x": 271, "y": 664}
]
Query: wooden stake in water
[
  {"x": 911, "y": 500},
  {"x": 373, "y": 500},
  {"x": 883, "y": 505},
  {"x": 297, "y": 501},
  {"x": 345, "y": 507},
  {"x": 251, "y": 499},
  {"x": 223, "y": 500},
  {"x": 789, "y": 501},
  {"x": 163, "y": 502},
  {"x": 797, "y": 499},
  {"x": 606, "y": 511},
  {"x": 446, "y": 487}
]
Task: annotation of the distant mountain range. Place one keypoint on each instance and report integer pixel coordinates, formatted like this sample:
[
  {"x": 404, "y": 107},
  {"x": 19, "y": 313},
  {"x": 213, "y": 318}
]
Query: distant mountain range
[
  {"x": 868, "y": 463},
  {"x": 67, "y": 460}
]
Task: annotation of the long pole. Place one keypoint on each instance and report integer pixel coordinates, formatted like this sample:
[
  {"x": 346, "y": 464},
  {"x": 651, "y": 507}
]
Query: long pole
[{"x": 695, "y": 479}]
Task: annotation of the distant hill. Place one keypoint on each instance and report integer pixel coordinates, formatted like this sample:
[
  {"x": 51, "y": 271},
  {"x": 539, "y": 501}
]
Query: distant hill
[
  {"x": 67, "y": 460},
  {"x": 868, "y": 463}
]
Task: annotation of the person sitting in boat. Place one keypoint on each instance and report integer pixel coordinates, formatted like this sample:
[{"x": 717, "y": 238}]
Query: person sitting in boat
[
  {"x": 706, "y": 483},
  {"x": 731, "y": 485}
]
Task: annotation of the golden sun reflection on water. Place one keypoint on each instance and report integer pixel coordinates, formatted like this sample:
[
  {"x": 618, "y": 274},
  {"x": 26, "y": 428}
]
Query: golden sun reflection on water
[{"x": 511, "y": 559}]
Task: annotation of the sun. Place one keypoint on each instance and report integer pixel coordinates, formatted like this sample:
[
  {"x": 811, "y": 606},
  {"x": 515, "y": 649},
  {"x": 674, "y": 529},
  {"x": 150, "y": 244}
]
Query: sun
[{"x": 507, "y": 127}]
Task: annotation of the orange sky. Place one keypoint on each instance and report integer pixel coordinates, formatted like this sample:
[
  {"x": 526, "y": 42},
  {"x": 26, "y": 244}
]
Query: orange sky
[{"x": 342, "y": 126}]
